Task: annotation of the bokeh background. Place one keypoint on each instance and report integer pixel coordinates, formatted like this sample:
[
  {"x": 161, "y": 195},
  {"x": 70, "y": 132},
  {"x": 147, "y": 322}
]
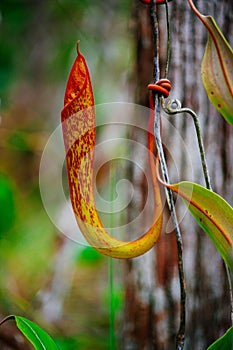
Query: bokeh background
[
  {"x": 60, "y": 285},
  {"x": 65, "y": 287}
]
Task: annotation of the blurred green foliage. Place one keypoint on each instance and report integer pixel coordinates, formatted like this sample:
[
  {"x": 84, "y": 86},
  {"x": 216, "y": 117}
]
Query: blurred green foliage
[
  {"x": 83, "y": 343},
  {"x": 89, "y": 256},
  {"x": 14, "y": 20},
  {"x": 7, "y": 205},
  {"x": 18, "y": 141},
  {"x": 37, "y": 49}
]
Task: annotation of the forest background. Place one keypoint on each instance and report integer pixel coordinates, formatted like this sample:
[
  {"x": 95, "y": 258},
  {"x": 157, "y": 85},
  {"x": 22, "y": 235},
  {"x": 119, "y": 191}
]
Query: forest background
[{"x": 43, "y": 275}]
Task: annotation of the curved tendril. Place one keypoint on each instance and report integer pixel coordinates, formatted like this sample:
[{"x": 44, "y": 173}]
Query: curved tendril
[{"x": 175, "y": 107}]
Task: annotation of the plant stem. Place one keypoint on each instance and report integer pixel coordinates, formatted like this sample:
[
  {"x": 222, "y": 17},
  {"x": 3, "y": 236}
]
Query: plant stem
[
  {"x": 170, "y": 109},
  {"x": 181, "y": 332},
  {"x": 157, "y": 132},
  {"x": 155, "y": 27},
  {"x": 168, "y": 41},
  {"x": 230, "y": 290},
  {"x": 112, "y": 338}
]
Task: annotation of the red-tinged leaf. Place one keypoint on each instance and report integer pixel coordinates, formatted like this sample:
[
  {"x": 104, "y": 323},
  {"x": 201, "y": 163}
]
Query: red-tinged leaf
[
  {"x": 79, "y": 132},
  {"x": 212, "y": 213},
  {"x": 217, "y": 68}
]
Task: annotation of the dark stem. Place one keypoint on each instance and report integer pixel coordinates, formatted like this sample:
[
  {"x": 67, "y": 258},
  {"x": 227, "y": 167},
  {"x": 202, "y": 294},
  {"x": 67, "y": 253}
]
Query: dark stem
[
  {"x": 157, "y": 132},
  {"x": 7, "y": 318},
  {"x": 168, "y": 41},
  {"x": 155, "y": 26}
]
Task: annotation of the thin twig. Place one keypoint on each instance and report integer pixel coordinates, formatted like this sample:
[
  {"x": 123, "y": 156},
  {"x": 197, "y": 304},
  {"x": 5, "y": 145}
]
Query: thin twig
[
  {"x": 157, "y": 132},
  {"x": 112, "y": 337},
  {"x": 155, "y": 25},
  {"x": 168, "y": 40}
]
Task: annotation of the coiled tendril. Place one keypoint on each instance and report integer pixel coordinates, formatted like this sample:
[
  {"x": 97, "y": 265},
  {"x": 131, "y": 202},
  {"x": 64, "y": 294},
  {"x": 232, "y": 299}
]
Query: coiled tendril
[{"x": 161, "y": 87}]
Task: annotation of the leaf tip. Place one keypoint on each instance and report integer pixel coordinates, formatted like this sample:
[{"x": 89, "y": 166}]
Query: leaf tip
[{"x": 77, "y": 47}]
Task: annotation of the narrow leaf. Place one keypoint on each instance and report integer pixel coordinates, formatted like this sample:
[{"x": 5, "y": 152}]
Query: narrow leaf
[
  {"x": 36, "y": 336},
  {"x": 212, "y": 213},
  {"x": 217, "y": 68},
  {"x": 223, "y": 343},
  {"x": 79, "y": 132}
]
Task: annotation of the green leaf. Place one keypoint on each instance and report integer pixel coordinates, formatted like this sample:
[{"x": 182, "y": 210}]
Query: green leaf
[
  {"x": 223, "y": 343},
  {"x": 217, "y": 68},
  {"x": 37, "y": 336},
  {"x": 212, "y": 213}
]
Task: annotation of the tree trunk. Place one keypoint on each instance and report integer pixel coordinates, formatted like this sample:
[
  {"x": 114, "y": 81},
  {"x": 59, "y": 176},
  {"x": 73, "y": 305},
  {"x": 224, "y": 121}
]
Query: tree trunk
[{"x": 152, "y": 285}]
